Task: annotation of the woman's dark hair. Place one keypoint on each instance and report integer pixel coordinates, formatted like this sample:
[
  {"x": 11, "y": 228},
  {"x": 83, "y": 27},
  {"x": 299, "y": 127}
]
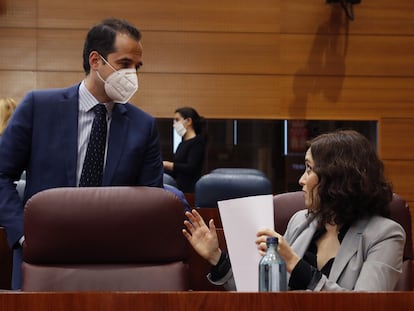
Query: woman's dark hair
[
  {"x": 351, "y": 178},
  {"x": 198, "y": 121},
  {"x": 101, "y": 38}
]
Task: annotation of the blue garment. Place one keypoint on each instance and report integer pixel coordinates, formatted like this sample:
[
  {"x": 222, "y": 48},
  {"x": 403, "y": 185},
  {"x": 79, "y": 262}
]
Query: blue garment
[
  {"x": 42, "y": 138},
  {"x": 180, "y": 195}
]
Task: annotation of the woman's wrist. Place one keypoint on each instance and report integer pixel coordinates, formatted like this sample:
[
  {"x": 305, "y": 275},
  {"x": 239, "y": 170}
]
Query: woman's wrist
[
  {"x": 221, "y": 269},
  {"x": 292, "y": 262},
  {"x": 215, "y": 257}
]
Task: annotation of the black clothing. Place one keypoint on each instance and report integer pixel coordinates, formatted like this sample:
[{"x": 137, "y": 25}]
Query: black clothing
[
  {"x": 188, "y": 163},
  {"x": 305, "y": 274},
  {"x": 222, "y": 268}
]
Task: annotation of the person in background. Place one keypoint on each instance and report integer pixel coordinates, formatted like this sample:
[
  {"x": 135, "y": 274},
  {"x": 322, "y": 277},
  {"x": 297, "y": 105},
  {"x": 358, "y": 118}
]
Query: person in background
[
  {"x": 49, "y": 133},
  {"x": 187, "y": 166},
  {"x": 7, "y": 106},
  {"x": 343, "y": 240}
]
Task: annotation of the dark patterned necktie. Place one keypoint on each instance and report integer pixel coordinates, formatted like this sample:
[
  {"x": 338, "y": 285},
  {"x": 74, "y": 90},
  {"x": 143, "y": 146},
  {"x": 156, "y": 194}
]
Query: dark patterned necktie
[{"x": 92, "y": 170}]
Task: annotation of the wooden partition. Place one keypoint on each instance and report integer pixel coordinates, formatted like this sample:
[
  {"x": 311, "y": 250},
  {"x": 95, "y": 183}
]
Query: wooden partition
[
  {"x": 267, "y": 59},
  {"x": 6, "y": 261},
  {"x": 190, "y": 301}
]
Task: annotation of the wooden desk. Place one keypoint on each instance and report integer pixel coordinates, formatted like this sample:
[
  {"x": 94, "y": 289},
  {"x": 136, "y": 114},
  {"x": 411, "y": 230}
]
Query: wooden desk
[
  {"x": 196, "y": 301},
  {"x": 6, "y": 261}
]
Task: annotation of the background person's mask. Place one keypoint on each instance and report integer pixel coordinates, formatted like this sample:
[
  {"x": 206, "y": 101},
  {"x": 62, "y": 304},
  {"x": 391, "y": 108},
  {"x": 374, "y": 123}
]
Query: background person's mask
[{"x": 179, "y": 128}]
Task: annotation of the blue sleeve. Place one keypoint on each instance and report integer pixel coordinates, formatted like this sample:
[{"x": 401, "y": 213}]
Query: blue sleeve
[{"x": 180, "y": 195}]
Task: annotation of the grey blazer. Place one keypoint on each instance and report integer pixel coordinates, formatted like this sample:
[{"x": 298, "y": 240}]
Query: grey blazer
[{"x": 369, "y": 258}]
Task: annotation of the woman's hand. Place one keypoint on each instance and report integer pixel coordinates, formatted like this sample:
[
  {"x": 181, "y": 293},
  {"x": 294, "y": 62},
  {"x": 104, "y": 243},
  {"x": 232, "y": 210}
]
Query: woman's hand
[
  {"x": 202, "y": 238},
  {"x": 284, "y": 250}
]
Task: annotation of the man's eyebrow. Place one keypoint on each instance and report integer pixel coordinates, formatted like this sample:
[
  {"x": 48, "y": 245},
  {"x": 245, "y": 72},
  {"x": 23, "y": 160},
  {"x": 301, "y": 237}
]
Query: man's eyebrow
[{"x": 124, "y": 60}]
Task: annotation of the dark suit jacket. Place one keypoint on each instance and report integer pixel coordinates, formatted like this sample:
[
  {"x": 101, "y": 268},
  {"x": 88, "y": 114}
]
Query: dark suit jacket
[{"x": 42, "y": 138}]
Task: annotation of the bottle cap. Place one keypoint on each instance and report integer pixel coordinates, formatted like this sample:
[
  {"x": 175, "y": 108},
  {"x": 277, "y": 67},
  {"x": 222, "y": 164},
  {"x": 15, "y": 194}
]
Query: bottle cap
[{"x": 272, "y": 240}]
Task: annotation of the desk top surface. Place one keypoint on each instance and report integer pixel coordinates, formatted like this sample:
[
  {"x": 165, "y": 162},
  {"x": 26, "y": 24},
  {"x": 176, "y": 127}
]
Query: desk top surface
[{"x": 125, "y": 301}]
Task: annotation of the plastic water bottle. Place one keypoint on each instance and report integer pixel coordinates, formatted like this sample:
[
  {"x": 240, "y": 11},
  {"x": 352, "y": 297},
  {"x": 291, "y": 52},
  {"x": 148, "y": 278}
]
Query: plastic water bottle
[{"x": 272, "y": 269}]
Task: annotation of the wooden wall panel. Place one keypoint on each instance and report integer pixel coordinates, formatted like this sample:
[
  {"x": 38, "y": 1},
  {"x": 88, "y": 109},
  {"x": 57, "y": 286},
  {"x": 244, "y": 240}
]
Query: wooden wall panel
[
  {"x": 304, "y": 96},
  {"x": 397, "y": 142},
  {"x": 217, "y": 96},
  {"x": 263, "y": 96},
  {"x": 18, "y": 50},
  {"x": 172, "y": 52},
  {"x": 186, "y": 15},
  {"x": 18, "y": 13},
  {"x": 60, "y": 50},
  {"x": 347, "y": 55},
  {"x": 15, "y": 84},
  {"x": 287, "y": 97},
  {"x": 209, "y": 52},
  {"x": 371, "y": 17},
  {"x": 46, "y": 80},
  {"x": 300, "y": 16}
]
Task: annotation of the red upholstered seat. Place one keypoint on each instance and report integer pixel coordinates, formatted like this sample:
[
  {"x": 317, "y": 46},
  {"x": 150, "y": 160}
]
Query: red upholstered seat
[{"x": 114, "y": 238}]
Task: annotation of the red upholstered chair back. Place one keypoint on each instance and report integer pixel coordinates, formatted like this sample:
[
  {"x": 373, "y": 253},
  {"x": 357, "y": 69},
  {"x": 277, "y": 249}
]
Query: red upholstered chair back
[
  {"x": 286, "y": 204},
  {"x": 107, "y": 238}
]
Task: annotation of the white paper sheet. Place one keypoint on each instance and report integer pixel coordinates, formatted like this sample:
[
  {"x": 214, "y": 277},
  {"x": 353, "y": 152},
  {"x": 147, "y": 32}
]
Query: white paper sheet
[{"x": 241, "y": 219}]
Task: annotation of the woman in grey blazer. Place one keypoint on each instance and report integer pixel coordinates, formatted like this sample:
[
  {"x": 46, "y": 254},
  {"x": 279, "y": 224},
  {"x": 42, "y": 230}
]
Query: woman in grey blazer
[{"x": 343, "y": 240}]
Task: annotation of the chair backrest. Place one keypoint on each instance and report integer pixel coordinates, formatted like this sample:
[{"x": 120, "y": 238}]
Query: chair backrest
[
  {"x": 214, "y": 187},
  {"x": 107, "y": 238},
  {"x": 237, "y": 170},
  {"x": 286, "y": 204},
  {"x": 169, "y": 180},
  {"x": 400, "y": 212}
]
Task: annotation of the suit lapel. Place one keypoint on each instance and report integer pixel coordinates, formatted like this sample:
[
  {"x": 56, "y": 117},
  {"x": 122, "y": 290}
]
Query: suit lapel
[
  {"x": 349, "y": 247},
  {"x": 116, "y": 142},
  {"x": 302, "y": 237},
  {"x": 69, "y": 118}
]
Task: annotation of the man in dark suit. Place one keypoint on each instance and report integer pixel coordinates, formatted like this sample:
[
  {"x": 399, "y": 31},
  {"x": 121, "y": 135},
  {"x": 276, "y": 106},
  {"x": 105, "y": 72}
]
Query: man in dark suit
[{"x": 49, "y": 132}]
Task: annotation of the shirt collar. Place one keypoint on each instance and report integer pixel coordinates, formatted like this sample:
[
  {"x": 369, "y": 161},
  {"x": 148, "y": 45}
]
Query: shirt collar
[{"x": 87, "y": 101}]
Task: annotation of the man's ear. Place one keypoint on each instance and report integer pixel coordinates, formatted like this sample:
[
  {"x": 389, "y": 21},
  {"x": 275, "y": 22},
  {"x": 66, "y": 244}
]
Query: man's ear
[{"x": 94, "y": 60}]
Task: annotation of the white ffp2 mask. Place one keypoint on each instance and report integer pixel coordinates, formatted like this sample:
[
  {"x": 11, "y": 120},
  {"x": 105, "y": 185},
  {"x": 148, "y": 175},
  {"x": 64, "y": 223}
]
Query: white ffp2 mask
[
  {"x": 179, "y": 128},
  {"x": 120, "y": 85}
]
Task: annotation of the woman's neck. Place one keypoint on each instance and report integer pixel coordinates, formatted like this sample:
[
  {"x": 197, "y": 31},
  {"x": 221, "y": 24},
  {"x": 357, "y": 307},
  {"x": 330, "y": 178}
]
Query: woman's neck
[
  {"x": 189, "y": 134},
  {"x": 332, "y": 228}
]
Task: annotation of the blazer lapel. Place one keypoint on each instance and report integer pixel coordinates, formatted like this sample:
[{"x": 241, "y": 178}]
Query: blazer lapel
[
  {"x": 116, "y": 142},
  {"x": 69, "y": 118},
  {"x": 349, "y": 247},
  {"x": 302, "y": 236}
]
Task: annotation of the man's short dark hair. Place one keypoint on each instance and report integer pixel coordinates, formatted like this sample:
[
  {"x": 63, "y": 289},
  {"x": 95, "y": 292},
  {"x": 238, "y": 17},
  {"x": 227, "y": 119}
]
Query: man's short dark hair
[{"x": 101, "y": 38}]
